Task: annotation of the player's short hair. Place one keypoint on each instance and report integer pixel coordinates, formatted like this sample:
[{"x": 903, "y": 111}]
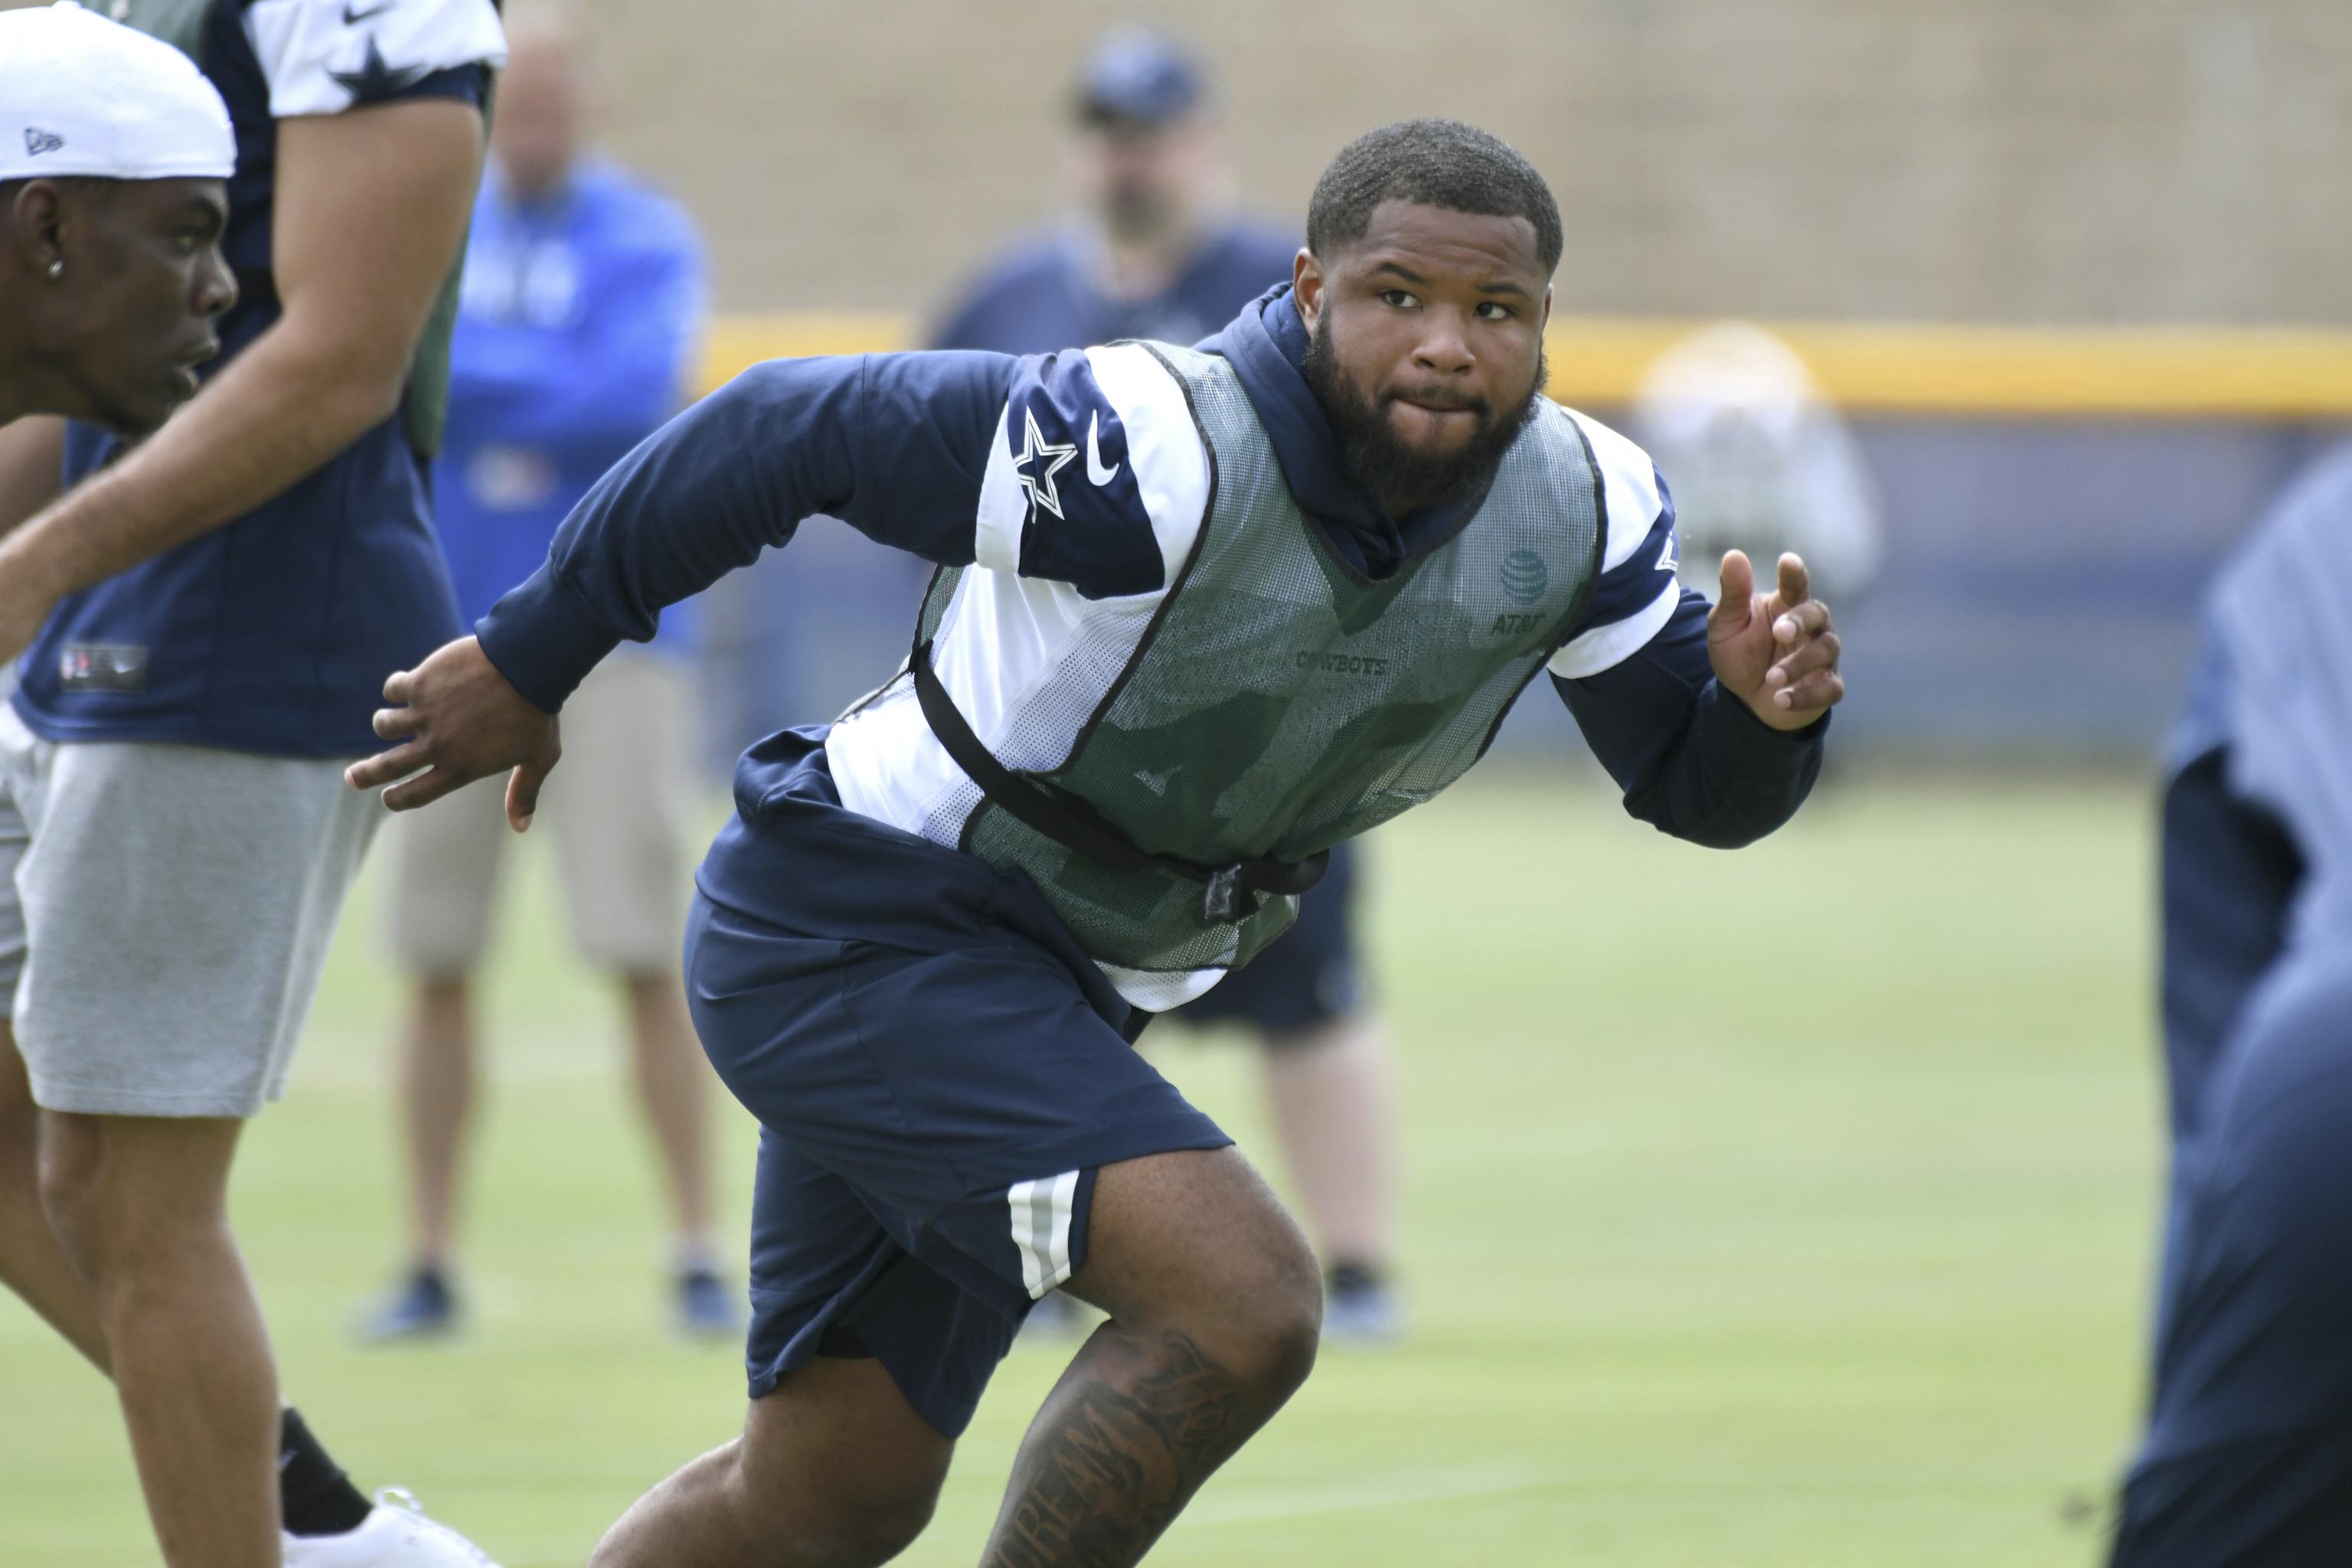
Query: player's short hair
[{"x": 1439, "y": 163}]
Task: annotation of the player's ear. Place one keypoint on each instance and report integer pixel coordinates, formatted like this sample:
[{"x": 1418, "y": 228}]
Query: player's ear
[
  {"x": 1543, "y": 318},
  {"x": 1307, "y": 287},
  {"x": 38, "y": 214}
]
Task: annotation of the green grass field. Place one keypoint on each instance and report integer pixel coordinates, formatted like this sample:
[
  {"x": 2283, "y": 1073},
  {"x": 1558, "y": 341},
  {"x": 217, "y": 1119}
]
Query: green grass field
[{"x": 1790, "y": 1208}]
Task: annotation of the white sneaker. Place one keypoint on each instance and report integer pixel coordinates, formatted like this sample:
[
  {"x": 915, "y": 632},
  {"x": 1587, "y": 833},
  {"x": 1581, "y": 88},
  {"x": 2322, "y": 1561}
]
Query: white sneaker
[{"x": 395, "y": 1534}]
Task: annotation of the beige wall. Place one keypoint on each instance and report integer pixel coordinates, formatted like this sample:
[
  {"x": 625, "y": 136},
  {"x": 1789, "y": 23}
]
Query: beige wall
[
  {"x": 2027, "y": 161},
  {"x": 2022, "y": 160}
]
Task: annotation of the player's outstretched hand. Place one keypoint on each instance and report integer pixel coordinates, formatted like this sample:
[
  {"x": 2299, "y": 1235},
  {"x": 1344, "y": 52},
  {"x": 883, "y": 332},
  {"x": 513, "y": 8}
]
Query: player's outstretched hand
[
  {"x": 1775, "y": 651},
  {"x": 457, "y": 720}
]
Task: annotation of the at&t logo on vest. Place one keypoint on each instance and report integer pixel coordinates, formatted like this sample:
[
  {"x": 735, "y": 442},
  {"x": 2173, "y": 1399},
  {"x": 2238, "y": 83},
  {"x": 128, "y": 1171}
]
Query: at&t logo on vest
[{"x": 1525, "y": 577}]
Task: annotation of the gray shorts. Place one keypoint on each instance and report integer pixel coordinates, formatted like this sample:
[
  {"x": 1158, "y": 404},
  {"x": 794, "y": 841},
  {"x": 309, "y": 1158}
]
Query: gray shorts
[
  {"x": 618, "y": 806},
  {"x": 165, "y": 913}
]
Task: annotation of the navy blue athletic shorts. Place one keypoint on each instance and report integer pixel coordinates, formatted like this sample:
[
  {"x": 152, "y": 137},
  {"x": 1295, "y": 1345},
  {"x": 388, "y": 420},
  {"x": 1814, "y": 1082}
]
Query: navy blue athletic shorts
[
  {"x": 1310, "y": 976},
  {"x": 939, "y": 1072},
  {"x": 2248, "y": 1461}
]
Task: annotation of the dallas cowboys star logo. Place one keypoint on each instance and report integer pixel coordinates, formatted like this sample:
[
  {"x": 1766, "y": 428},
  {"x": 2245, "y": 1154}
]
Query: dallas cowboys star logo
[
  {"x": 1039, "y": 481},
  {"x": 374, "y": 80}
]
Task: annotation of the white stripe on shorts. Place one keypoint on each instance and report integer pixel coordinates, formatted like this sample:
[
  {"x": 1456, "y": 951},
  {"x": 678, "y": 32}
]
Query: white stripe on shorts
[{"x": 1041, "y": 1230}]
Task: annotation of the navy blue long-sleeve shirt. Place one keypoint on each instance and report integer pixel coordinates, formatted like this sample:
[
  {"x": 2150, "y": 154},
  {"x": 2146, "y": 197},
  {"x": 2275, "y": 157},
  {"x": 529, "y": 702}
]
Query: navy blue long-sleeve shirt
[{"x": 921, "y": 450}]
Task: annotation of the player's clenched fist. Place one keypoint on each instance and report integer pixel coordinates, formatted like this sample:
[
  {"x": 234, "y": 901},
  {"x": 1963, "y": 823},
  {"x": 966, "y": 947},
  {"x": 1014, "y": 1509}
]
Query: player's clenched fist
[
  {"x": 1775, "y": 651},
  {"x": 458, "y": 719}
]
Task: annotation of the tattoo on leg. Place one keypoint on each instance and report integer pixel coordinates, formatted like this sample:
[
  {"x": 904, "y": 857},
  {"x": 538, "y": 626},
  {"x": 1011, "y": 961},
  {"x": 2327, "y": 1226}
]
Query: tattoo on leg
[{"x": 1101, "y": 1477}]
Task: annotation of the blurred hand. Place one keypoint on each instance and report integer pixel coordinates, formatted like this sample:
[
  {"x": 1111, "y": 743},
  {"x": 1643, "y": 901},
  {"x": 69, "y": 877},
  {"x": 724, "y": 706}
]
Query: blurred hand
[
  {"x": 1775, "y": 651},
  {"x": 458, "y": 720}
]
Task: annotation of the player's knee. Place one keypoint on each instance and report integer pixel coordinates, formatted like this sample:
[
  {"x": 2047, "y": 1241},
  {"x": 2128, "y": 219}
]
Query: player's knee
[
  {"x": 1264, "y": 1322},
  {"x": 89, "y": 1215},
  {"x": 1282, "y": 1326},
  {"x": 859, "y": 1525},
  {"x": 1197, "y": 1246},
  {"x": 20, "y": 1152},
  {"x": 114, "y": 1202},
  {"x": 871, "y": 1530},
  {"x": 834, "y": 1470},
  {"x": 72, "y": 1194}
]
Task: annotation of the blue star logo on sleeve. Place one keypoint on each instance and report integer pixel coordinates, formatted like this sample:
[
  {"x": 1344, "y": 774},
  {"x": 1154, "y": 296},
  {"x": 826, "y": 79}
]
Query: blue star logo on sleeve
[
  {"x": 1042, "y": 460},
  {"x": 376, "y": 81}
]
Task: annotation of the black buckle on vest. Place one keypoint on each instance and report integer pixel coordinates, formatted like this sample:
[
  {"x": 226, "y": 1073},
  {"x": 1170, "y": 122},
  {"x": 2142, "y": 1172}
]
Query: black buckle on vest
[
  {"x": 1221, "y": 895},
  {"x": 1072, "y": 824}
]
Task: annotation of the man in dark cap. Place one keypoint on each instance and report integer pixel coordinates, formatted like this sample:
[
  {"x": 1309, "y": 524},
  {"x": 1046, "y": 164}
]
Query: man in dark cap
[{"x": 1153, "y": 254}]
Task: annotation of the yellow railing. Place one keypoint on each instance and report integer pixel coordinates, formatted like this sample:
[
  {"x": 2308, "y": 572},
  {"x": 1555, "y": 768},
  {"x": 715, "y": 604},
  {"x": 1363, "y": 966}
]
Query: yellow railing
[{"x": 2131, "y": 372}]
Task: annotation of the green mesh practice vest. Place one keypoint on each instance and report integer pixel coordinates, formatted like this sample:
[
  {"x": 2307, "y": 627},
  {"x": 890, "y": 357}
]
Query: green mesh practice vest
[
  {"x": 425, "y": 401},
  {"x": 1281, "y": 701}
]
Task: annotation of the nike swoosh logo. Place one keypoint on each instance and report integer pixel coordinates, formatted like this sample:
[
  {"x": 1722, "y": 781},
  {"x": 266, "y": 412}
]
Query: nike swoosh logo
[
  {"x": 353, "y": 18},
  {"x": 1096, "y": 472}
]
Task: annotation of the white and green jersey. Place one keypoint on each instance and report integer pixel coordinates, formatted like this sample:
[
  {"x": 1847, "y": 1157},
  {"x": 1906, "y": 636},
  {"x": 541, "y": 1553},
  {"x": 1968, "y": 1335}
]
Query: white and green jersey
[
  {"x": 1166, "y": 611},
  {"x": 1254, "y": 694}
]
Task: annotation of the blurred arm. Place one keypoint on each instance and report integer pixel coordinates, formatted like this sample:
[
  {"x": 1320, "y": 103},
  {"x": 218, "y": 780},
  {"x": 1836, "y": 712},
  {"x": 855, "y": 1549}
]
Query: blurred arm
[
  {"x": 2229, "y": 872},
  {"x": 32, "y": 467},
  {"x": 1692, "y": 760},
  {"x": 895, "y": 444},
  {"x": 2229, "y": 869},
  {"x": 371, "y": 206}
]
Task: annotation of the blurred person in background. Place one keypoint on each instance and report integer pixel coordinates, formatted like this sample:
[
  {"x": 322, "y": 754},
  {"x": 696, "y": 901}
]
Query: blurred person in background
[
  {"x": 1761, "y": 461},
  {"x": 2248, "y": 1455},
  {"x": 1154, "y": 250},
  {"x": 206, "y": 604},
  {"x": 582, "y": 308},
  {"x": 1154, "y": 254}
]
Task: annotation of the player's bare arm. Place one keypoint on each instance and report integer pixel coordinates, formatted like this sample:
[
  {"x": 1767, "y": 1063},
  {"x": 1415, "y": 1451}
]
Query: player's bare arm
[
  {"x": 371, "y": 208},
  {"x": 1776, "y": 652},
  {"x": 32, "y": 459}
]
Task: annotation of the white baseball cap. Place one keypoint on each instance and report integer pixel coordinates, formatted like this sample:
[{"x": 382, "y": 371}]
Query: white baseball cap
[{"x": 83, "y": 95}]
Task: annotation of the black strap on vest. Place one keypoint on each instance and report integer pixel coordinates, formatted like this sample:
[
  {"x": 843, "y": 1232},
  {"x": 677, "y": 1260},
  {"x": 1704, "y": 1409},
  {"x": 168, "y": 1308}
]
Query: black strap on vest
[{"x": 1073, "y": 823}]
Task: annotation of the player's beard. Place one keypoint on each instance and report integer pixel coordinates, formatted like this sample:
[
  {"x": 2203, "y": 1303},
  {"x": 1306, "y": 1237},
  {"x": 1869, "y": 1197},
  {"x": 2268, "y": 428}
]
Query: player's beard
[{"x": 1384, "y": 467}]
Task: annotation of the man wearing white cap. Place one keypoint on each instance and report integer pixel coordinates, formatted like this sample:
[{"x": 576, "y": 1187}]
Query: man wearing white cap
[
  {"x": 111, "y": 193},
  {"x": 205, "y": 616}
]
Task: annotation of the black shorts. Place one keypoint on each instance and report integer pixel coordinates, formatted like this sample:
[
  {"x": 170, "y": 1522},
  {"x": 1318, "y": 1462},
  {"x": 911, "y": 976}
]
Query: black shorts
[{"x": 938, "y": 1074}]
